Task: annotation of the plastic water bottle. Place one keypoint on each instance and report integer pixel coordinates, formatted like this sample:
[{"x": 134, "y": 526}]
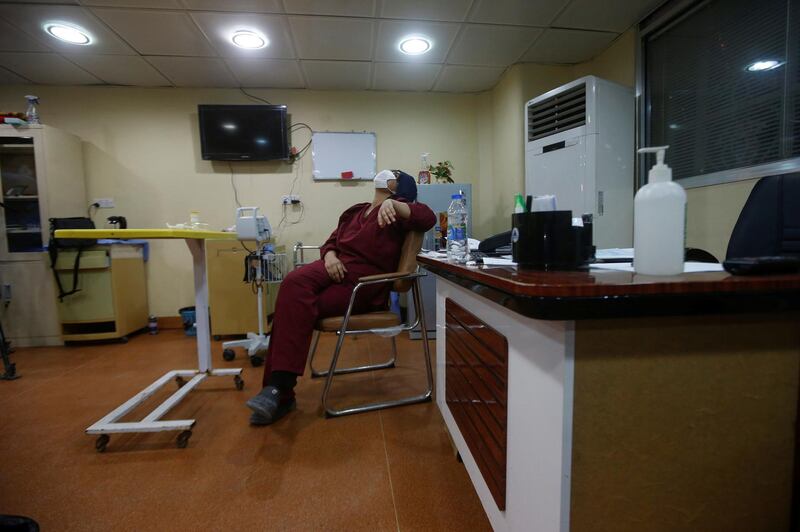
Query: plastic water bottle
[
  {"x": 457, "y": 250},
  {"x": 152, "y": 325},
  {"x": 32, "y": 113}
]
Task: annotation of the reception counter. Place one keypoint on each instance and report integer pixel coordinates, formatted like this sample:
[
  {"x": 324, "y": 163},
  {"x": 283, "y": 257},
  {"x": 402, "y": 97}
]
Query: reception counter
[{"x": 605, "y": 400}]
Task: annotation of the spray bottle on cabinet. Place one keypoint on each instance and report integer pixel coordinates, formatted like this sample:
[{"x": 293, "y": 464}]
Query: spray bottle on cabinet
[
  {"x": 424, "y": 176},
  {"x": 659, "y": 221}
]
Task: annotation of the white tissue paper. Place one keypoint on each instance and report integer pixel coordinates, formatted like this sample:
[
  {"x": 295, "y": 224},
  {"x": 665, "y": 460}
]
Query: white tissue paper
[{"x": 543, "y": 203}]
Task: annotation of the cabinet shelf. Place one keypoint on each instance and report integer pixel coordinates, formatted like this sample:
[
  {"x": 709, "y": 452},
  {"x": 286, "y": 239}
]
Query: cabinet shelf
[{"x": 20, "y": 198}]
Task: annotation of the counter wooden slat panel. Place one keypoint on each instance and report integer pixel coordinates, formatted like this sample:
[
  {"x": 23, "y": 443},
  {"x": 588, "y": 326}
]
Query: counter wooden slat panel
[{"x": 476, "y": 393}]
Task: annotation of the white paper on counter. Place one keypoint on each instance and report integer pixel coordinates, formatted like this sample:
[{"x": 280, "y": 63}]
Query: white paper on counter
[
  {"x": 434, "y": 254},
  {"x": 498, "y": 261},
  {"x": 688, "y": 267},
  {"x": 473, "y": 243},
  {"x": 614, "y": 253}
]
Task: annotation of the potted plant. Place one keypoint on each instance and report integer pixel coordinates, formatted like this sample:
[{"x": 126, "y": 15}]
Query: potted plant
[{"x": 442, "y": 172}]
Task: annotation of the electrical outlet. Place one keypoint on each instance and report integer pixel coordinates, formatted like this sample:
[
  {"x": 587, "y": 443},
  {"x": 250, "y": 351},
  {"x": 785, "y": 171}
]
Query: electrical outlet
[
  {"x": 105, "y": 203},
  {"x": 290, "y": 199}
]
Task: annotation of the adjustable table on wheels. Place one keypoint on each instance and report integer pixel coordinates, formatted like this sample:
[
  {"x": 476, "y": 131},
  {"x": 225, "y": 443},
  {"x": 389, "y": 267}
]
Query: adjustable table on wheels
[{"x": 152, "y": 422}]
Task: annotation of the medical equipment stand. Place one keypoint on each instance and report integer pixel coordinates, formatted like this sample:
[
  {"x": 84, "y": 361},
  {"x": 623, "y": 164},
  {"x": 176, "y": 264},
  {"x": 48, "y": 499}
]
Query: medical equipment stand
[
  {"x": 255, "y": 227},
  {"x": 254, "y": 343},
  {"x": 152, "y": 422}
]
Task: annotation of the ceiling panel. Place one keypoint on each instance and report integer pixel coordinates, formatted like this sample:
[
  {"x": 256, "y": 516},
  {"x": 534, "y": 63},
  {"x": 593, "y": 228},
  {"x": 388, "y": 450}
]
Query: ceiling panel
[
  {"x": 157, "y": 32},
  {"x": 194, "y": 71},
  {"x": 343, "y": 8},
  {"x": 219, "y": 27},
  {"x": 250, "y": 6},
  {"x": 9, "y": 78},
  {"x": 120, "y": 70},
  {"x": 46, "y": 69},
  {"x": 568, "y": 46},
  {"x": 151, "y": 4},
  {"x": 444, "y": 10},
  {"x": 405, "y": 76},
  {"x": 348, "y": 75},
  {"x": 609, "y": 16},
  {"x": 390, "y": 32},
  {"x": 523, "y": 12},
  {"x": 14, "y": 40},
  {"x": 32, "y": 18},
  {"x": 456, "y": 78},
  {"x": 332, "y": 38},
  {"x": 279, "y": 74},
  {"x": 492, "y": 45}
]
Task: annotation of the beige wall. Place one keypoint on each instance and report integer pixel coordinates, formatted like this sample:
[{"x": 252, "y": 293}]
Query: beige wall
[{"x": 141, "y": 147}]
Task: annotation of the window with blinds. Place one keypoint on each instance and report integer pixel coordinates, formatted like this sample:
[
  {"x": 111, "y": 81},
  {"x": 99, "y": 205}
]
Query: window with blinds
[{"x": 722, "y": 87}]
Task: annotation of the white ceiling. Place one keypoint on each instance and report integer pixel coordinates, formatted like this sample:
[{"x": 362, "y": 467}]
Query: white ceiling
[{"x": 314, "y": 44}]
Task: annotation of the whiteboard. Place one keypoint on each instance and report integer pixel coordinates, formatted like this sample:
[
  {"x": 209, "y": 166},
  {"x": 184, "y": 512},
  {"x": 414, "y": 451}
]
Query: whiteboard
[{"x": 334, "y": 152}]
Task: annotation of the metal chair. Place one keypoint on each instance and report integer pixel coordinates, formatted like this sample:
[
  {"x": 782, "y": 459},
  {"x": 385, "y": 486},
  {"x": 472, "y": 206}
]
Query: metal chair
[{"x": 404, "y": 279}]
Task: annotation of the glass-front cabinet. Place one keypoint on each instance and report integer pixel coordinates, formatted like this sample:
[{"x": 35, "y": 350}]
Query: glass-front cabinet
[
  {"x": 22, "y": 218},
  {"x": 41, "y": 176}
]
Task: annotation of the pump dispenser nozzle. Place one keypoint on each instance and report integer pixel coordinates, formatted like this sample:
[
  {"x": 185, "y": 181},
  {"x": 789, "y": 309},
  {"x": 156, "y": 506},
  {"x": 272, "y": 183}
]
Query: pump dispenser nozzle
[{"x": 660, "y": 172}]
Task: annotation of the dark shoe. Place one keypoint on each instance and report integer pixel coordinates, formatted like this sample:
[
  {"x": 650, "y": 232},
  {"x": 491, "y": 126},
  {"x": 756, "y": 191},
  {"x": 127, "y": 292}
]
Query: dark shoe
[
  {"x": 265, "y": 404},
  {"x": 283, "y": 409}
]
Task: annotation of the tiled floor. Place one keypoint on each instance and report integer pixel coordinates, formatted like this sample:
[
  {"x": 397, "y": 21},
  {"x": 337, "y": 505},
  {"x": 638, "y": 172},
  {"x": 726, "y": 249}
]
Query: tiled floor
[{"x": 387, "y": 470}]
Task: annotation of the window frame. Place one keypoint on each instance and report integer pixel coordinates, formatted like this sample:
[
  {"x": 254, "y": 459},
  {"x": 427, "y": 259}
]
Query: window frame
[{"x": 670, "y": 13}]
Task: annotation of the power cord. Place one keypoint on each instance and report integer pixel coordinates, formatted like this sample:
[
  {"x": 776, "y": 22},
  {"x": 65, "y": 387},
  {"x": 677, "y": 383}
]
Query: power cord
[
  {"x": 254, "y": 97},
  {"x": 233, "y": 186},
  {"x": 89, "y": 209}
]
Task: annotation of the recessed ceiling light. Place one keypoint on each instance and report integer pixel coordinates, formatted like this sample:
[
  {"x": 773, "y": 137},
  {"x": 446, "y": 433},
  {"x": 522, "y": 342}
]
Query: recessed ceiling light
[
  {"x": 249, "y": 40},
  {"x": 415, "y": 45},
  {"x": 229, "y": 126},
  {"x": 760, "y": 66},
  {"x": 68, "y": 33}
]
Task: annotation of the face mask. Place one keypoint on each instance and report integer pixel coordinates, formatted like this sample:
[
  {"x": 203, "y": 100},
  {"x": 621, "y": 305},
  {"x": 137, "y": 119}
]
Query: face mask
[{"x": 382, "y": 178}]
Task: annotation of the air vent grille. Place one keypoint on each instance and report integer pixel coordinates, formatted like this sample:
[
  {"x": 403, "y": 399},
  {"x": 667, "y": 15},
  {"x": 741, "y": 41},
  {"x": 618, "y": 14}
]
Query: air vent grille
[{"x": 558, "y": 113}]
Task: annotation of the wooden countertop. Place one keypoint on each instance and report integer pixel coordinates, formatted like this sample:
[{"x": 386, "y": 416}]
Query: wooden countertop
[{"x": 598, "y": 293}]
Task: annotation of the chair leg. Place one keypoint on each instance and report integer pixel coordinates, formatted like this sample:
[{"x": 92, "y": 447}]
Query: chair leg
[
  {"x": 421, "y": 398},
  {"x": 357, "y": 369}
]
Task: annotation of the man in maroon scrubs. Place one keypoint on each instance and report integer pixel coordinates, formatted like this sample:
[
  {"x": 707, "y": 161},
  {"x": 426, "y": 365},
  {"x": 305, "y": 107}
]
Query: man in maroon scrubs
[{"x": 367, "y": 241}]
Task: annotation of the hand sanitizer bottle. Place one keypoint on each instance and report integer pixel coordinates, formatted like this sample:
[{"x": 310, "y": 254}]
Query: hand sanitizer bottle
[{"x": 659, "y": 221}]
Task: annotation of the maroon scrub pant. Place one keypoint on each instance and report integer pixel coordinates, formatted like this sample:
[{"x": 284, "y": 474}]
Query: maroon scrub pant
[{"x": 306, "y": 295}]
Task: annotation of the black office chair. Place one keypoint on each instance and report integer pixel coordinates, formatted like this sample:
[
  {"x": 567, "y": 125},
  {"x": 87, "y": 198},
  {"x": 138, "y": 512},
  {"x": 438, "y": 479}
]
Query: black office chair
[{"x": 769, "y": 224}]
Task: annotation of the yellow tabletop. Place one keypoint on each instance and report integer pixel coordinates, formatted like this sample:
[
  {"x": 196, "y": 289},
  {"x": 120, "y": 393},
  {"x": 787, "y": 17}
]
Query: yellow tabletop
[{"x": 124, "y": 234}]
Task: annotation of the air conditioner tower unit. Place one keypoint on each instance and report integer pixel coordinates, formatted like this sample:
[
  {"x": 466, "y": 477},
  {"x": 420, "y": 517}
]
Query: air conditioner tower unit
[{"x": 579, "y": 146}]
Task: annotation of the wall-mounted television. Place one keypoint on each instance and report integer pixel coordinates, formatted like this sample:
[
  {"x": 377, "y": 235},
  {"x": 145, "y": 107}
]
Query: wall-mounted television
[{"x": 243, "y": 132}]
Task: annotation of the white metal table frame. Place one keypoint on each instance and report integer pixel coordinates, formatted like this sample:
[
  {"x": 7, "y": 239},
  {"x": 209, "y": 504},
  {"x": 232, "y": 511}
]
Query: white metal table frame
[{"x": 152, "y": 422}]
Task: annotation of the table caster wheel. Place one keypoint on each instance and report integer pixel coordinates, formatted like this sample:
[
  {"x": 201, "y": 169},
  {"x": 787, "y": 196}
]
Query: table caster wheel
[
  {"x": 183, "y": 439},
  {"x": 229, "y": 354},
  {"x": 237, "y": 380},
  {"x": 101, "y": 443},
  {"x": 256, "y": 361},
  {"x": 179, "y": 381}
]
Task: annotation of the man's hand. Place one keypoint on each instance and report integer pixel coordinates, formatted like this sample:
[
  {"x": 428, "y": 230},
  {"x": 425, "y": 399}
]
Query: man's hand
[
  {"x": 334, "y": 267},
  {"x": 387, "y": 214}
]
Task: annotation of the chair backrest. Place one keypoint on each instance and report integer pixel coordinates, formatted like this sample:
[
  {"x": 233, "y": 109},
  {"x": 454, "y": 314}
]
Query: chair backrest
[
  {"x": 408, "y": 258},
  {"x": 769, "y": 223}
]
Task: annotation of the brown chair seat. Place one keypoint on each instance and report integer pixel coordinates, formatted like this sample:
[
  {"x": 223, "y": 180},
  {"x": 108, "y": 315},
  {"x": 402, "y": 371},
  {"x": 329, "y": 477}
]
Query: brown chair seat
[{"x": 371, "y": 320}]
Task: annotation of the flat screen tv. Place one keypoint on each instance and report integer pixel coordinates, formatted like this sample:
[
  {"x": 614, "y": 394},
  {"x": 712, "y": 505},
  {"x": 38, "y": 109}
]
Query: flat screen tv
[{"x": 243, "y": 132}]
